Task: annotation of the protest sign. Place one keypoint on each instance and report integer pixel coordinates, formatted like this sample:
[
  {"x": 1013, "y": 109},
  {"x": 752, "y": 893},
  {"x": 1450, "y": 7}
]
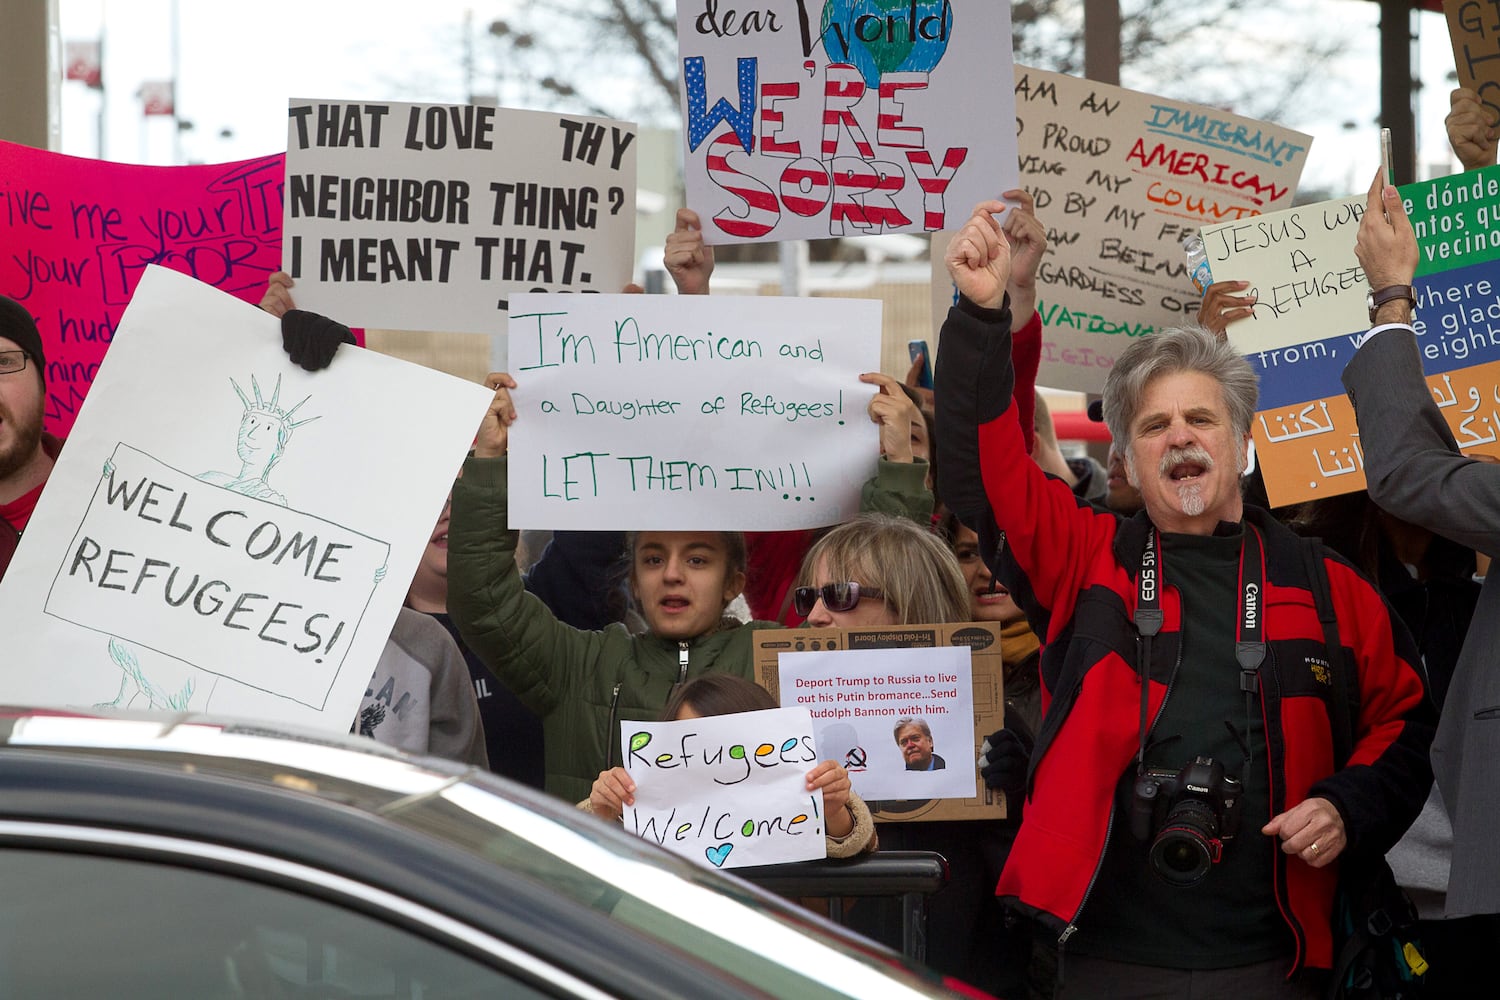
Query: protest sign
[
  {"x": 430, "y": 216},
  {"x": 1119, "y": 179},
  {"x": 79, "y": 234},
  {"x": 870, "y": 699},
  {"x": 727, "y": 791},
  {"x": 1474, "y": 30},
  {"x": 838, "y": 740},
  {"x": 229, "y": 533},
  {"x": 1311, "y": 308},
  {"x": 690, "y": 412},
  {"x": 873, "y": 118}
]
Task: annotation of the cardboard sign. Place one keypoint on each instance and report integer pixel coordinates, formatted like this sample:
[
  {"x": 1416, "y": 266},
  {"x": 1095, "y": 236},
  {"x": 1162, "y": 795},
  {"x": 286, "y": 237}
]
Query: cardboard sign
[
  {"x": 1311, "y": 309},
  {"x": 858, "y": 122},
  {"x": 229, "y": 533},
  {"x": 1120, "y": 178},
  {"x": 727, "y": 791},
  {"x": 894, "y": 713},
  {"x": 1474, "y": 29},
  {"x": 690, "y": 412},
  {"x": 987, "y": 700},
  {"x": 79, "y": 233},
  {"x": 430, "y": 216}
]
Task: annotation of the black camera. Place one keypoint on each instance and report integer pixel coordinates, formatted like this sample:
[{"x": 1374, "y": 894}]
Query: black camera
[{"x": 1187, "y": 816}]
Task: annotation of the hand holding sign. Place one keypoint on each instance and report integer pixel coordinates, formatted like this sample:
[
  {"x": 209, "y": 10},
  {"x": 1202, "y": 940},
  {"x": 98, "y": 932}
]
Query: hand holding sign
[
  {"x": 1222, "y": 306},
  {"x": 896, "y": 415},
  {"x": 493, "y": 440},
  {"x": 978, "y": 259},
  {"x": 1386, "y": 248},
  {"x": 1471, "y": 129},
  {"x": 1028, "y": 244},
  {"x": 612, "y": 792},
  {"x": 688, "y": 259}
]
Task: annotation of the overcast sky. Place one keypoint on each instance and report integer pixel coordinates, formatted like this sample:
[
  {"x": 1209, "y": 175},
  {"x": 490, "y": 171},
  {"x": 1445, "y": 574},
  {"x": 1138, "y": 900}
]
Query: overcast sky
[{"x": 239, "y": 65}]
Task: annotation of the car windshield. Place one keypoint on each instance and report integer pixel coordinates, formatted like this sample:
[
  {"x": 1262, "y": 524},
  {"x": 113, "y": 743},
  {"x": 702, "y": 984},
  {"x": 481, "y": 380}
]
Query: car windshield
[{"x": 779, "y": 948}]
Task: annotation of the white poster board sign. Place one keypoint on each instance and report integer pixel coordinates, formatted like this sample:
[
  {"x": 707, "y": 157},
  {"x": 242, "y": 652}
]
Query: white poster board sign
[
  {"x": 864, "y": 119},
  {"x": 429, "y": 216},
  {"x": 689, "y": 412},
  {"x": 727, "y": 791},
  {"x": 901, "y": 721},
  {"x": 1120, "y": 178},
  {"x": 224, "y": 531}
]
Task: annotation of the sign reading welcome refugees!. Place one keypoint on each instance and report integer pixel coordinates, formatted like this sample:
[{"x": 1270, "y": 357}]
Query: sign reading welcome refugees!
[
  {"x": 1311, "y": 310},
  {"x": 1119, "y": 179},
  {"x": 430, "y": 216},
  {"x": 844, "y": 118},
  {"x": 727, "y": 791},
  {"x": 690, "y": 412},
  {"x": 228, "y": 532},
  {"x": 79, "y": 233}
]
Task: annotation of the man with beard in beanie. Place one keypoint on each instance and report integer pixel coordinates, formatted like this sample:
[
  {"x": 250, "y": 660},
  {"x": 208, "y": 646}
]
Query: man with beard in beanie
[{"x": 26, "y": 451}]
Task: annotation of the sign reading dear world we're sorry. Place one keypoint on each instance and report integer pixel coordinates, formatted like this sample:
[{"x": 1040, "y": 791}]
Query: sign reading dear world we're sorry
[
  {"x": 690, "y": 412},
  {"x": 811, "y": 119}
]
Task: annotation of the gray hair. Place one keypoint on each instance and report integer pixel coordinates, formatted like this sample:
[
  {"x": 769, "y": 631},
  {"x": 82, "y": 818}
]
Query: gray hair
[
  {"x": 1189, "y": 348},
  {"x": 907, "y": 721}
]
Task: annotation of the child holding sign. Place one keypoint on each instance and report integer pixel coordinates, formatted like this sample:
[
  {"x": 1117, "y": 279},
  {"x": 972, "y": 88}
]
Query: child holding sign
[{"x": 850, "y": 828}]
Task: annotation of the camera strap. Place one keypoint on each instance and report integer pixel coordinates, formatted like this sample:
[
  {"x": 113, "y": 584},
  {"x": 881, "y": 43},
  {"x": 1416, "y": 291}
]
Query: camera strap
[{"x": 1250, "y": 638}]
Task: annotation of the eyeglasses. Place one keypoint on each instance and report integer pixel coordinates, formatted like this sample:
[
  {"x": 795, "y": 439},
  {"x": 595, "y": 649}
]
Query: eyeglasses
[
  {"x": 836, "y": 597},
  {"x": 12, "y": 361}
]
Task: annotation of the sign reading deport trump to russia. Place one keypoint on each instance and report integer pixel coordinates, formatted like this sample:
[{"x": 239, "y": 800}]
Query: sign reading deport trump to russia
[
  {"x": 901, "y": 721},
  {"x": 690, "y": 412}
]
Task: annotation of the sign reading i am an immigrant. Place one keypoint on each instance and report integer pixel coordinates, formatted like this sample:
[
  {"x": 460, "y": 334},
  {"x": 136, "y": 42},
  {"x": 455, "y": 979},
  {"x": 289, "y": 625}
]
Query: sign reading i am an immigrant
[{"x": 1120, "y": 178}]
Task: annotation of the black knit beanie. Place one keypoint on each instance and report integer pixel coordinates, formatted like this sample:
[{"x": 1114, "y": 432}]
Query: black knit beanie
[{"x": 16, "y": 325}]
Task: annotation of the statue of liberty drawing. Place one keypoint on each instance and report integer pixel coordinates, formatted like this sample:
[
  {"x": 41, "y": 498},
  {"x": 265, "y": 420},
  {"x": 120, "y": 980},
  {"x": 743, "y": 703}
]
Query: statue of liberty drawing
[{"x": 265, "y": 430}]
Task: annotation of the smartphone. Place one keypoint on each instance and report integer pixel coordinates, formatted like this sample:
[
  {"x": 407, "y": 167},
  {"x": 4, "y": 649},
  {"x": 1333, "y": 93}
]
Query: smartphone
[
  {"x": 1385, "y": 155},
  {"x": 915, "y": 348}
]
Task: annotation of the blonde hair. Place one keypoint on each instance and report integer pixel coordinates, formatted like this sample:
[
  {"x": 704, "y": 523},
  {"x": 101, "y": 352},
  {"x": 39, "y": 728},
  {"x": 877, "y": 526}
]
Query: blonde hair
[{"x": 918, "y": 573}]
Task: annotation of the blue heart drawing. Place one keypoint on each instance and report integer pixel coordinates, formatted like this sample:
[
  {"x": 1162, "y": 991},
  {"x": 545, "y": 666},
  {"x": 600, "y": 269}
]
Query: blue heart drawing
[{"x": 718, "y": 855}]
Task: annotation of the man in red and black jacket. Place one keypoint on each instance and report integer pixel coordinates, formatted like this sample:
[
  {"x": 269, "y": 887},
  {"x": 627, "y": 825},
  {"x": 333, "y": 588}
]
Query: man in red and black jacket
[
  {"x": 1221, "y": 883},
  {"x": 26, "y": 450}
]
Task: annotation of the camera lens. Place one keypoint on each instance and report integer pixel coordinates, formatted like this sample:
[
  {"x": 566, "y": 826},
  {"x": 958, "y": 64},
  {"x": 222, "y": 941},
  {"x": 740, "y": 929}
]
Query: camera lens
[{"x": 1186, "y": 846}]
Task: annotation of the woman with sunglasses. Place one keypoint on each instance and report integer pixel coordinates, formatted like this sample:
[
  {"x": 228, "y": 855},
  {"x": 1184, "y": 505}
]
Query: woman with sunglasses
[
  {"x": 850, "y": 830},
  {"x": 877, "y": 570}
]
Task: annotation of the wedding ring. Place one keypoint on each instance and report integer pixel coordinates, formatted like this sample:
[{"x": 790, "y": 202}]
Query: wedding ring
[{"x": 1313, "y": 849}]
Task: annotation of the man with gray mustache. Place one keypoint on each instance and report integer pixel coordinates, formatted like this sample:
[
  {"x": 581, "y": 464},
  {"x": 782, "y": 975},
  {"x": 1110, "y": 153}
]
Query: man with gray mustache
[{"x": 1187, "y": 804}]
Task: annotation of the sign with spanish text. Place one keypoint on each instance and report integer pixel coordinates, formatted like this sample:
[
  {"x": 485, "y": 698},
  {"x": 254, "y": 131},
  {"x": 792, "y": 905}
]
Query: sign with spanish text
[
  {"x": 901, "y": 721},
  {"x": 430, "y": 216},
  {"x": 1474, "y": 30},
  {"x": 79, "y": 233},
  {"x": 1120, "y": 178},
  {"x": 229, "y": 533},
  {"x": 1311, "y": 310},
  {"x": 727, "y": 791},
  {"x": 844, "y": 118},
  {"x": 689, "y": 412}
]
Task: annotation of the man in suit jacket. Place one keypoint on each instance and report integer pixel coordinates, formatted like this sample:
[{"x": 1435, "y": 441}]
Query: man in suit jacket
[
  {"x": 1415, "y": 472},
  {"x": 914, "y": 737}
]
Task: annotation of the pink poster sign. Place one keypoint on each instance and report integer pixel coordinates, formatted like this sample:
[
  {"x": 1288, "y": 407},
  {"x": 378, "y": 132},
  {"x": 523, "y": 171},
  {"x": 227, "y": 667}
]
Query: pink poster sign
[{"x": 77, "y": 234}]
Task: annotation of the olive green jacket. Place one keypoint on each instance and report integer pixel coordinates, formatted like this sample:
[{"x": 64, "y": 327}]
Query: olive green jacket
[{"x": 582, "y": 684}]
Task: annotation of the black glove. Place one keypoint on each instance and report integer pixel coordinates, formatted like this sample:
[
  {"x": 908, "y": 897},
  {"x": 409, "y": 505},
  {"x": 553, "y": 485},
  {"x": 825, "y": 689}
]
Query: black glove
[
  {"x": 1004, "y": 759},
  {"x": 311, "y": 339}
]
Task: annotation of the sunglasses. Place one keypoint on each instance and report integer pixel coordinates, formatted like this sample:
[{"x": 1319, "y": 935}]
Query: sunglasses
[{"x": 836, "y": 597}]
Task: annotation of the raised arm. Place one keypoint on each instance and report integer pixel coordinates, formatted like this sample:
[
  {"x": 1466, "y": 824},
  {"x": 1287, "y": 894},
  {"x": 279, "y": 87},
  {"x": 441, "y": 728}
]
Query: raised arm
[{"x": 1412, "y": 463}]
